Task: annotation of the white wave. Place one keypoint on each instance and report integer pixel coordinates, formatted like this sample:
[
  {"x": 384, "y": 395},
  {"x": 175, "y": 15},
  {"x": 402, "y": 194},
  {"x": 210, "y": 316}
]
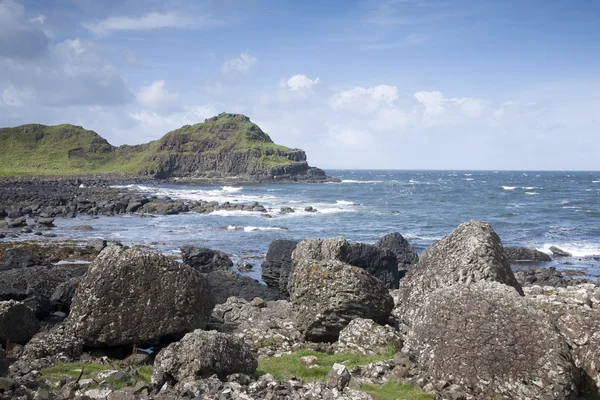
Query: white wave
[
  {"x": 355, "y": 181},
  {"x": 263, "y": 228},
  {"x": 413, "y": 181},
  {"x": 469, "y": 179},
  {"x": 345, "y": 203},
  {"x": 531, "y": 193},
  {"x": 530, "y": 187},
  {"x": 468, "y": 174},
  {"x": 574, "y": 207},
  {"x": 509, "y": 187},
  {"x": 595, "y": 181},
  {"x": 576, "y": 249},
  {"x": 231, "y": 189}
]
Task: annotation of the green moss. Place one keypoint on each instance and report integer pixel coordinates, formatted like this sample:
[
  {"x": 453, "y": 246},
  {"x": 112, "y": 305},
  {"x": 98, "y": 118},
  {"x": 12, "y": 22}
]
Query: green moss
[
  {"x": 60, "y": 371},
  {"x": 289, "y": 365},
  {"x": 395, "y": 391}
]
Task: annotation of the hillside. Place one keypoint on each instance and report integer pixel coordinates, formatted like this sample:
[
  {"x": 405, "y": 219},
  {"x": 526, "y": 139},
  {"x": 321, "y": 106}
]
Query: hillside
[{"x": 225, "y": 147}]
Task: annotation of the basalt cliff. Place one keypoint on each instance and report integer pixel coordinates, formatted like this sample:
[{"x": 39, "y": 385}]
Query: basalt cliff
[{"x": 227, "y": 147}]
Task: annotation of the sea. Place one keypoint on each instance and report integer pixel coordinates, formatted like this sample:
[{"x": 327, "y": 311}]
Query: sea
[{"x": 526, "y": 208}]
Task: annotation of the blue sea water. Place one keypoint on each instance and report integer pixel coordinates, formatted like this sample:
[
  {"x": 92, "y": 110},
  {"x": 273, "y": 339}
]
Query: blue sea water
[{"x": 532, "y": 209}]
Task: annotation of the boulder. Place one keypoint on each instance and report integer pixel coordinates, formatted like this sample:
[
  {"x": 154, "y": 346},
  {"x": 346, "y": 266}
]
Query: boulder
[
  {"x": 545, "y": 277},
  {"x": 560, "y": 252},
  {"x": 286, "y": 210},
  {"x": 225, "y": 284},
  {"x": 200, "y": 354},
  {"x": 523, "y": 254},
  {"x": 364, "y": 336},
  {"x": 55, "y": 345},
  {"x": 16, "y": 257},
  {"x": 406, "y": 255},
  {"x": 381, "y": 263},
  {"x": 329, "y": 294},
  {"x": 205, "y": 260},
  {"x": 278, "y": 264},
  {"x": 244, "y": 266},
  {"x": 17, "y": 322},
  {"x": 63, "y": 294},
  {"x": 82, "y": 228},
  {"x": 472, "y": 252},
  {"x": 485, "y": 337},
  {"x": 130, "y": 296},
  {"x": 339, "y": 377}
]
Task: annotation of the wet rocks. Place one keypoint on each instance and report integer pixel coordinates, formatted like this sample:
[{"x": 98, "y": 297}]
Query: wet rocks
[
  {"x": 380, "y": 263},
  {"x": 201, "y": 354},
  {"x": 278, "y": 264},
  {"x": 406, "y": 255},
  {"x": 364, "y": 336},
  {"x": 329, "y": 294},
  {"x": 545, "y": 277},
  {"x": 18, "y": 258},
  {"x": 523, "y": 254},
  {"x": 17, "y": 322},
  {"x": 286, "y": 210},
  {"x": 559, "y": 252},
  {"x": 204, "y": 259},
  {"x": 244, "y": 266},
  {"x": 130, "y": 296}
]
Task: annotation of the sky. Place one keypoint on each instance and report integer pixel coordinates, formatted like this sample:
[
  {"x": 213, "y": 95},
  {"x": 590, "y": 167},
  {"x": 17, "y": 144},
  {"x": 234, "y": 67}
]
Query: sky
[{"x": 374, "y": 84}]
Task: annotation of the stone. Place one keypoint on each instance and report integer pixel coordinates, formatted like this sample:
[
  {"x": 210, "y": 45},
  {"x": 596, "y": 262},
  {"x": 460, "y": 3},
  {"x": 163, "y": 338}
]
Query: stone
[
  {"x": 309, "y": 361},
  {"x": 329, "y": 294},
  {"x": 47, "y": 222},
  {"x": 485, "y": 337},
  {"x": 310, "y": 209},
  {"x": 473, "y": 252},
  {"x": 97, "y": 244},
  {"x": 55, "y": 345},
  {"x": 541, "y": 276},
  {"x": 381, "y": 263},
  {"x": 17, "y": 322},
  {"x": 278, "y": 264},
  {"x": 205, "y": 260},
  {"x": 364, "y": 336},
  {"x": 523, "y": 254},
  {"x": 17, "y": 222},
  {"x": 286, "y": 210},
  {"x": 63, "y": 294},
  {"x": 559, "y": 252},
  {"x": 82, "y": 228},
  {"x": 339, "y": 377},
  {"x": 16, "y": 257},
  {"x": 130, "y": 296},
  {"x": 406, "y": 255},
  {"x": 225, "y": 284},
  {"x": 244, "y": 266},
  {"x": 201, "y": 354}
]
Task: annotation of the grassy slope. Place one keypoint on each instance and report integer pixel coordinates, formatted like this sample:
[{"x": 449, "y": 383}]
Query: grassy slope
[{"x": 44, "y": 150}]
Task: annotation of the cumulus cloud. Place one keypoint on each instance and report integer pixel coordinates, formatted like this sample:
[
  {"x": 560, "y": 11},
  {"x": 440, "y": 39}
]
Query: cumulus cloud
[
  {"x": 365, "y": 99},
  {"x": 16, "y": 97},
  {"x": 20, "y": 37},
  {"x": 299, "y": 82},
  {"x": 149, "y": 21},
  {"x": 241, "y": 64},
  {"x": 155, "y": 96}
]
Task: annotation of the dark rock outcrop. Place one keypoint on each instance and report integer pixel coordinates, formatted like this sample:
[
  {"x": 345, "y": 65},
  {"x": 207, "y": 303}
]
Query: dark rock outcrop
[
  {"x": 17, "y": 322},
  {"x": 129, "y": 296},
  {"x": 63, "y": 294},
  {"x": 406, "y": 255},
  {"x": 523, "y": 254},
  {"x": 381, "y": 263},
  {"x": 546, "y": 277},
  {"x": 486, "y": 337},
  {"x": 560, "y": 252},
  {"x": 278, "y": 264},
  {"x": 329, "y": 294},
  {"x": 201, "y": 354},
  {"x": 204, "y": 259},
  {"x": 225, "y": 284},
  {"x": 18, "y": 258}
]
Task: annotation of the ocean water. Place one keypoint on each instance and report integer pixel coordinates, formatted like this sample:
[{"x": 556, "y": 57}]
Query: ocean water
[{"x": 532, "y": 209}]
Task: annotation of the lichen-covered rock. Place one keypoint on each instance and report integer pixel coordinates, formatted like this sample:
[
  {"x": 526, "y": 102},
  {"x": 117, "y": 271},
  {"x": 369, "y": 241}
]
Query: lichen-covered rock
[
  {"x": 130, "y": 296},
  {"x": 523, "y": 254},
  {"x": 364, "y": 336},
  {"x": 54, "y": 344},
  {"x": 381, "y": 263},
  {"x": 576, "y": 313},
  {"x": 201, "y": 354},
  {"x": 485, "y": 337},
  {"x": 329, "y": 294},
  {"x": 204, "y": 259},
  {"x": 278, "y": 264},
  {"x": 405, "y": 254},
  {"x": 472, "y": 252},
  {"x": 17, "y": 322}
]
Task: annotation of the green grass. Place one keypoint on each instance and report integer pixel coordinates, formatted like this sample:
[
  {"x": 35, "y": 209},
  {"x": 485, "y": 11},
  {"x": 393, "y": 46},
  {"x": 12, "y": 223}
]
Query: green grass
[
  {"x": 60, "y": 371},
  {"x": 289, "y": 365},
  {"x": 36, "y": 149},
  {"x": 395, "y": 391}
]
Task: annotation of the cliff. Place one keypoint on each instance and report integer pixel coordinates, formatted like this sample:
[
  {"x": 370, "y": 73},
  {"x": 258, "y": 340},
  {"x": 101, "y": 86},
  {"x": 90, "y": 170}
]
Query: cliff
[{"x": 225, "y": 147}]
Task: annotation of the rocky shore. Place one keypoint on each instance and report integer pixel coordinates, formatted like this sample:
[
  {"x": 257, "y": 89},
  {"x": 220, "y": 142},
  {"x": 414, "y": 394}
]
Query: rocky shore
[{"x": 337, "y": 320}]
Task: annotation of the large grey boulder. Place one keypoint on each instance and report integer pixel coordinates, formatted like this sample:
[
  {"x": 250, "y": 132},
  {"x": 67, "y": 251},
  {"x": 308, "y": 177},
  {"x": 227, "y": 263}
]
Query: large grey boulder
[
  {"x": 278, "y": 264},
  {"x": 364, "y": 336},
  {"x": 204, "y": 259},
  {"x": 131, "y": 296},
  {"x": 405, "y": 254},
  {"x": 17, "y": 322},
  {"x": 523, "y": 254},
  {"x": 329, "y": 294},
  {"x": 485, "y": 337},
  {"x": 473, "y": 252},
  {"x": 200, "y": 354},
  {"x": 381, "y": 263}
]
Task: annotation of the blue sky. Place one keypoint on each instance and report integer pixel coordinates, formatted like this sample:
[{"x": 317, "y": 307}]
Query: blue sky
[{"x": 406, "y": 84}]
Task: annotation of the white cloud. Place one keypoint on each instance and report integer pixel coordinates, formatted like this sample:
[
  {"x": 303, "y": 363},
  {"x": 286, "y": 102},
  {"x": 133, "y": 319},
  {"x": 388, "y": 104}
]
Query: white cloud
[
  {"x": 15, "y": 97},
  {"x": 155, "y": 96},
  {"x": 149, "y": 21},
  {"x": 347, "y": 137},
  {"x": 241, "y": 64},
  {"x": 434, "y": 102},
  {"x": 365, "y": 99},
  {"x": 299, "y": 82}
]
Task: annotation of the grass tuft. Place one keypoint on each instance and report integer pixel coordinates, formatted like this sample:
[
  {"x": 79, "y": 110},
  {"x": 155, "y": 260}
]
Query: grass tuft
[{"x": 395, "y": 391}]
